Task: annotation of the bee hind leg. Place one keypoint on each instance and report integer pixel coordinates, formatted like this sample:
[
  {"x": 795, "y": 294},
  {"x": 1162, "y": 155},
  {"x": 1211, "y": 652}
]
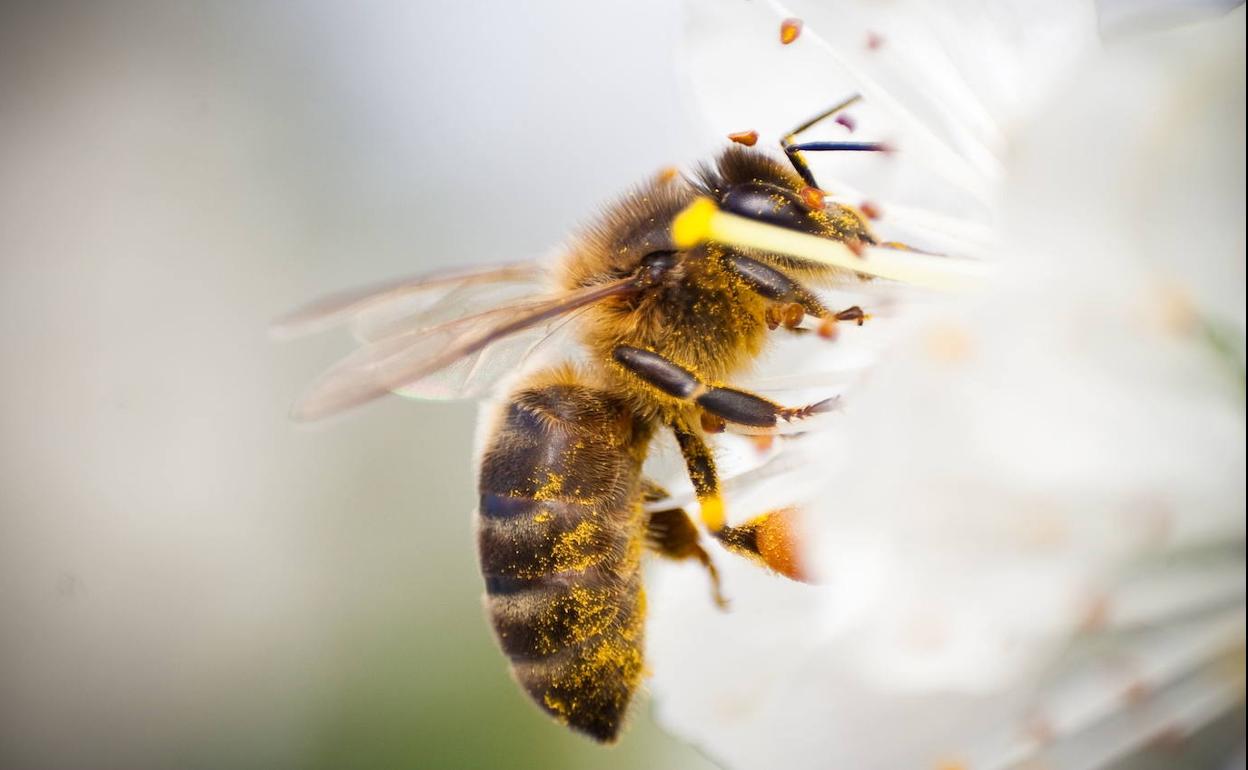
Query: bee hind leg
[
  {"x": 771, "y": 540},
  {"x": 672, "y": 534}
]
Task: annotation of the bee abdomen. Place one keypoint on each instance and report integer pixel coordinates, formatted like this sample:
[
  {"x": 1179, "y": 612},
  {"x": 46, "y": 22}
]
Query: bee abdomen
[{"x": 560, "y": 541}]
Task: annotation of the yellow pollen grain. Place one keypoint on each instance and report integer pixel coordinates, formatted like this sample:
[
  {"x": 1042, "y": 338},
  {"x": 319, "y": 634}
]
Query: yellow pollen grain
[
  {"x": 575, "y": 549},
  {"x": 551, "y": 488}
]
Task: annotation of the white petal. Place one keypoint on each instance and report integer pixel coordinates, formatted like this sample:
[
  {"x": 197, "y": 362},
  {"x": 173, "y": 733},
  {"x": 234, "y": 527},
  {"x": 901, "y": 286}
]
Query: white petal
[{"x": 1059, "y": 463}]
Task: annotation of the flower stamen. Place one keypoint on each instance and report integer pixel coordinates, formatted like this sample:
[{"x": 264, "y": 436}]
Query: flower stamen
[{"x": 703, "y": 221}]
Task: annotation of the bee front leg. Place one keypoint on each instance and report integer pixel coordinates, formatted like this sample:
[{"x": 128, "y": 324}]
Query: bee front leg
[
  {"x": 738, "y": 407},
  {"x": 792, "y": 301}
]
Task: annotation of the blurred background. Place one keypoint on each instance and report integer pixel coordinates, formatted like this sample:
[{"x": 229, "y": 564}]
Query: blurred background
[{"x": 186, "y": 578}]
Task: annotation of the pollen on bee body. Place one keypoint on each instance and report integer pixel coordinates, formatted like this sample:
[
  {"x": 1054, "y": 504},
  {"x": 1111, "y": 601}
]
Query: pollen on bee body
[{"x": 789, "y": 30}]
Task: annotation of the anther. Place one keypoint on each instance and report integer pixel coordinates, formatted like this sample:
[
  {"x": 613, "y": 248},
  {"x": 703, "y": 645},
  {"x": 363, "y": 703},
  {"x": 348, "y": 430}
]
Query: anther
[
  {"x": 713, "y": 424},
  {"x": 847, "y": 121},
  {"x": 869, "y": 209},
  {"x": 853, "y": 313},
  {"x": 855, "y": 245},
  {"x": 812, "y": 198},
  {"x": 875, "y": 41},
  {"x": 668, "y": 175},
  {"x": 789, "y": 30},
  {"x": 748, "y": 138},
  {"x": 793, "y": 314}
]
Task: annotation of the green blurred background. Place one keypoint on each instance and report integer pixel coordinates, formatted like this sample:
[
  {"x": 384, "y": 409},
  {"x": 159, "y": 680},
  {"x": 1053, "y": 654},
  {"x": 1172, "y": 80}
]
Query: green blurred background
[{"x": 187, "y": 580}]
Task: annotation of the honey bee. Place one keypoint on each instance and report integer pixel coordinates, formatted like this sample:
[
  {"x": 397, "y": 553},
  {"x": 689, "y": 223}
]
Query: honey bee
[{"x": 565, "y": 512}]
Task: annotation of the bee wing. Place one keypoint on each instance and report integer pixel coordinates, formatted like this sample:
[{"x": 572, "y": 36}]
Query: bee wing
[
  {"x": 426, "y": 309},
  {"x": 476, "y": 374},
  {"x": 404, "y": 360},
  {"x": 419, "y": 301}
]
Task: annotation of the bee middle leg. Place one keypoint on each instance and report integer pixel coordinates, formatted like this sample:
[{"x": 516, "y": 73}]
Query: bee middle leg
[
  {"x": 771, "y": 540},
  {"x": 739, "y": 407}
]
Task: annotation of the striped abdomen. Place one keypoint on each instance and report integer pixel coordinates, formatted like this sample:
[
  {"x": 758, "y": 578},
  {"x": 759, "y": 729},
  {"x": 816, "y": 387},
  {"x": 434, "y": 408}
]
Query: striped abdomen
[{"x": 560, "y": 541}]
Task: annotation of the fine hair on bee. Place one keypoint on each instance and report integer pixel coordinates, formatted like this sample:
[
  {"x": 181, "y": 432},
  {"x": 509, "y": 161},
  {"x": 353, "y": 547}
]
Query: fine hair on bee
[{"x": 565, "y": 512}]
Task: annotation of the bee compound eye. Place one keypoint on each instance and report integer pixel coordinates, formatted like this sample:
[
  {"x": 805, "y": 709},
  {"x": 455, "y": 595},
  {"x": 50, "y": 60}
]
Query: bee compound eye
[{"x": 771, "y": 204}]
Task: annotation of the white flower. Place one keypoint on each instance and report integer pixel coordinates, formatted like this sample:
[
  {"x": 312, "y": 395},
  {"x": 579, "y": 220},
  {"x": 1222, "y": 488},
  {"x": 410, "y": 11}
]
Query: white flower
[{"x": 1029, "y": 519}]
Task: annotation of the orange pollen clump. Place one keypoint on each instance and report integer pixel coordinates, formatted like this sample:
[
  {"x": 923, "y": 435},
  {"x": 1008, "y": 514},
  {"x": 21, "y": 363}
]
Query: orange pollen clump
[
  {"x": 713, "y": 424},
  {"x": 789, "y": 30},
  {"x": 813, "y": 198},
  {"x": 763, "y": 443},
  {"x": 779, "y": 542},
  {"x": 949, "y": 344},
  {"x": 748, "y": 138},
  {"x": 667, "y": 175}
]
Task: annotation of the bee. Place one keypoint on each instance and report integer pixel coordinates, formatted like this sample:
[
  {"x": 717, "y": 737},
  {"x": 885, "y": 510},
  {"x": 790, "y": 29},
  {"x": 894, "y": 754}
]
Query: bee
[{"x": 565, "y": 512}]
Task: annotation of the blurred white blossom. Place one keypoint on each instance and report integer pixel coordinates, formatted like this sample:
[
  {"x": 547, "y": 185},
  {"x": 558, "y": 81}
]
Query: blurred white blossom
[{"x": 1028, "y": 519}]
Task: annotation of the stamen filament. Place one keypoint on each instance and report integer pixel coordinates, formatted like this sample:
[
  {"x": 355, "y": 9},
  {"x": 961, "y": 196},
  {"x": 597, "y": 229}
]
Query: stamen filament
[{"x": 703, "y": 221}]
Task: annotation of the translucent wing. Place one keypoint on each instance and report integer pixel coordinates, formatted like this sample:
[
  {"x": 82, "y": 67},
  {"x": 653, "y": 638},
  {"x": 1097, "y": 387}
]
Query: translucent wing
[
  {"x": 413, "y": 301},
  {"x": 403, "y": 360},
  {"x": 475, "y": 375},
  {"x": 428, "y": 308}
]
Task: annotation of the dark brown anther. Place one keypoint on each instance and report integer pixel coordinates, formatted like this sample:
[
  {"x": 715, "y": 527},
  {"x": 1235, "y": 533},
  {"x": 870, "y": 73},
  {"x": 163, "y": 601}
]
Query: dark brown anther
[
  {"x": 869, "y": 210},
  {"x": 748, "y": 138},
  {"x": 793, "y": 315},
  {"x": 713, "y": 424},
  {"x": 789, "y": 30},
  {"x": 847, "y": 121},
  {"x": 812, "y": 198},
  {"x": 854, "y": 313},
  {"x": 773, "y": 317}
]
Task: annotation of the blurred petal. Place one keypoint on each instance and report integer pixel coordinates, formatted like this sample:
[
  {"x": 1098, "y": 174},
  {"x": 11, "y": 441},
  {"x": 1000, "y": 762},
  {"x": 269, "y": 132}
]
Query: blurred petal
[{"x": 1029, "y": 520}]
